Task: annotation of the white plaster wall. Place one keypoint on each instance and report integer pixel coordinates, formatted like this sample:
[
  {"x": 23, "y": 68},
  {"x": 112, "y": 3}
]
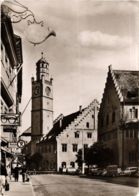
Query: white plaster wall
[{"x": 68, "y": 136}]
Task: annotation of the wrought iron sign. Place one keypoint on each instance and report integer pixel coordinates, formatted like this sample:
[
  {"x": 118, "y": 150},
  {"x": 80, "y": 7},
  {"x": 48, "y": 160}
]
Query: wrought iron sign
[{"x": 18, "y": 12}]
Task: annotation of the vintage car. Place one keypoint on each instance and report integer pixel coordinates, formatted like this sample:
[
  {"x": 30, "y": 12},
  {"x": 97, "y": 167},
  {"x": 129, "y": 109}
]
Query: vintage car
[{"x": 129, "y": 171}]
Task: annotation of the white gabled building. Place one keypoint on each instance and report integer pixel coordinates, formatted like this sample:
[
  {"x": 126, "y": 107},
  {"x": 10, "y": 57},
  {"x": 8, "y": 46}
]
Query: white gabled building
[{"x": 69, "y": 133}]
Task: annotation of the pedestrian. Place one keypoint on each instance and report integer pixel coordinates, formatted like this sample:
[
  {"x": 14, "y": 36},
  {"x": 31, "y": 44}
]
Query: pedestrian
[
  {"x": 34, "y": 171},
  {"x": 3, "y": 178},
  {"x": 16, "y": 173},
  {"x": 27, "y": 176},
  {"x": 23, "y": 172},
  {"x": 9, "y": 172}
]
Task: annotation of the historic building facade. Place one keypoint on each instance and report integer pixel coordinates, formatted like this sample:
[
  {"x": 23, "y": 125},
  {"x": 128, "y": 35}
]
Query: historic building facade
[
  {"x": 118, "y": 118},
  {"x": 69, "y": 134},
  {"x": 11, "y": 87},
  {"x": 54, "y": 144}
]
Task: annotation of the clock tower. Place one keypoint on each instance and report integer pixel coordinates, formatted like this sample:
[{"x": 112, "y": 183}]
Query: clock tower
[{"x": 42, "y": 100}]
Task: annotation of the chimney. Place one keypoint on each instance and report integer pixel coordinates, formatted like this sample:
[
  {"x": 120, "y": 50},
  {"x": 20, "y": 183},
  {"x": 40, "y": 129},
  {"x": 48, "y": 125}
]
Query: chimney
[
  {"x": 61, "y": 119},
  {"x": 80, "y": 108}
]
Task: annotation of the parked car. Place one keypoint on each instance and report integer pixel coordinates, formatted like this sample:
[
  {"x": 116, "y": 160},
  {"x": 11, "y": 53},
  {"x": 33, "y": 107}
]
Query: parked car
[
  {"x": 99, "y": 172},
  {"x": 93, "y": 170},
  {"x": 137, "y": 174},
  {"x": 113, "y": 170},
  {"x": 71, "y": 170},
  {"x": 129, "y": 171},
  {"x": 104, "y": 172}
]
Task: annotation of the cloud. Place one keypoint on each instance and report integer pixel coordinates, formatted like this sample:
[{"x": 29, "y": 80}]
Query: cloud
[
  {"x": 108, "y": 7},
  {"x": 99, "y": 40}
]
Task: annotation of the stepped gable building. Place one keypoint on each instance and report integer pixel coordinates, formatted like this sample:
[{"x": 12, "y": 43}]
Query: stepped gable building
[
  {"x": 69, "y": 134},
  {"x": 118, "y": 118}
]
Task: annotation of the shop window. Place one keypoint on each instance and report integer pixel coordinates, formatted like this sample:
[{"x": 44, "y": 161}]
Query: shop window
[
  {"x": 63, "y": 164},
  {"x": 72, "y": 164}
]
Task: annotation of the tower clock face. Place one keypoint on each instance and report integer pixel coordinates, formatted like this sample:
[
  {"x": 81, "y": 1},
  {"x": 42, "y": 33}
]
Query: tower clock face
[
  {"x": 47, "y": 90},
  {"x": 36, "y": 90}
]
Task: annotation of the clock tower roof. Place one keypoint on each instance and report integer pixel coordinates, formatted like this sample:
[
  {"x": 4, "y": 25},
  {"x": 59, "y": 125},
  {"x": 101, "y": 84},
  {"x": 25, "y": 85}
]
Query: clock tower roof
[
  {"x": 42, "y": 69},
  {"x": 42, "y": 60}
]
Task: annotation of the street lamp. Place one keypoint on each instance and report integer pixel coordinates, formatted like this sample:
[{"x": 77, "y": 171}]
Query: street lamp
[{"x": 83, "y": 162}]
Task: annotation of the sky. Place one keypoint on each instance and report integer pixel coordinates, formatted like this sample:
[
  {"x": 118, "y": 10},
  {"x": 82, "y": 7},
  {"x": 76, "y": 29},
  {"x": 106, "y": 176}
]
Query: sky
[{"x": 90, "y": 36}]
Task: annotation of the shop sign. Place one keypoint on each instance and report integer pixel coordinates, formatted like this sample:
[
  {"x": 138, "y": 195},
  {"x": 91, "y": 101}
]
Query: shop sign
[
  {"x": 12, "y": 144},
  {"x": 21, "y": 143}
]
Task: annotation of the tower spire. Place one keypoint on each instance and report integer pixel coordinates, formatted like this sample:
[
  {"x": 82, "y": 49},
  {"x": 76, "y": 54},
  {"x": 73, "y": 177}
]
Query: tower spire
[{"x": 42, "y": 68}]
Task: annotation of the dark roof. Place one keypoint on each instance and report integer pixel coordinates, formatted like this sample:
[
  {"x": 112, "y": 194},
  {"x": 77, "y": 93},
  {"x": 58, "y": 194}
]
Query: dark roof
[
  {"x": 27, "y": 132},
  {"x": 42, "y": 60},
  {"x": 128, "y": 82},
  {"x": 57, "y": 129},
  {"x": 132, "y": 125}
]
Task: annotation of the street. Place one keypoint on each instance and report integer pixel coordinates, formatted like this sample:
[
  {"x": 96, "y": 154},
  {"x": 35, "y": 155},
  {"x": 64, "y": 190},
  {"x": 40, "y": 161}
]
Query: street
[{"x": 65, "y": 185}]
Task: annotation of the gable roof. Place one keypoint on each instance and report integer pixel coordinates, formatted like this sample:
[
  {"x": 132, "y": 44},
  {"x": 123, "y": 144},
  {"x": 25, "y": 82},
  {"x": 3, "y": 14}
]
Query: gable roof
[
  {"x": 59, "y": 127},
  {"x": 128, "y": 82}
]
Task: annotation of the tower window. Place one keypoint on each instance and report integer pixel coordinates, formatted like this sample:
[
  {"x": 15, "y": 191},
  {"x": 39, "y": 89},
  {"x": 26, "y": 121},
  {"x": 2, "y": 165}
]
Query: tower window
[{"x": 64, "y": 147}]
